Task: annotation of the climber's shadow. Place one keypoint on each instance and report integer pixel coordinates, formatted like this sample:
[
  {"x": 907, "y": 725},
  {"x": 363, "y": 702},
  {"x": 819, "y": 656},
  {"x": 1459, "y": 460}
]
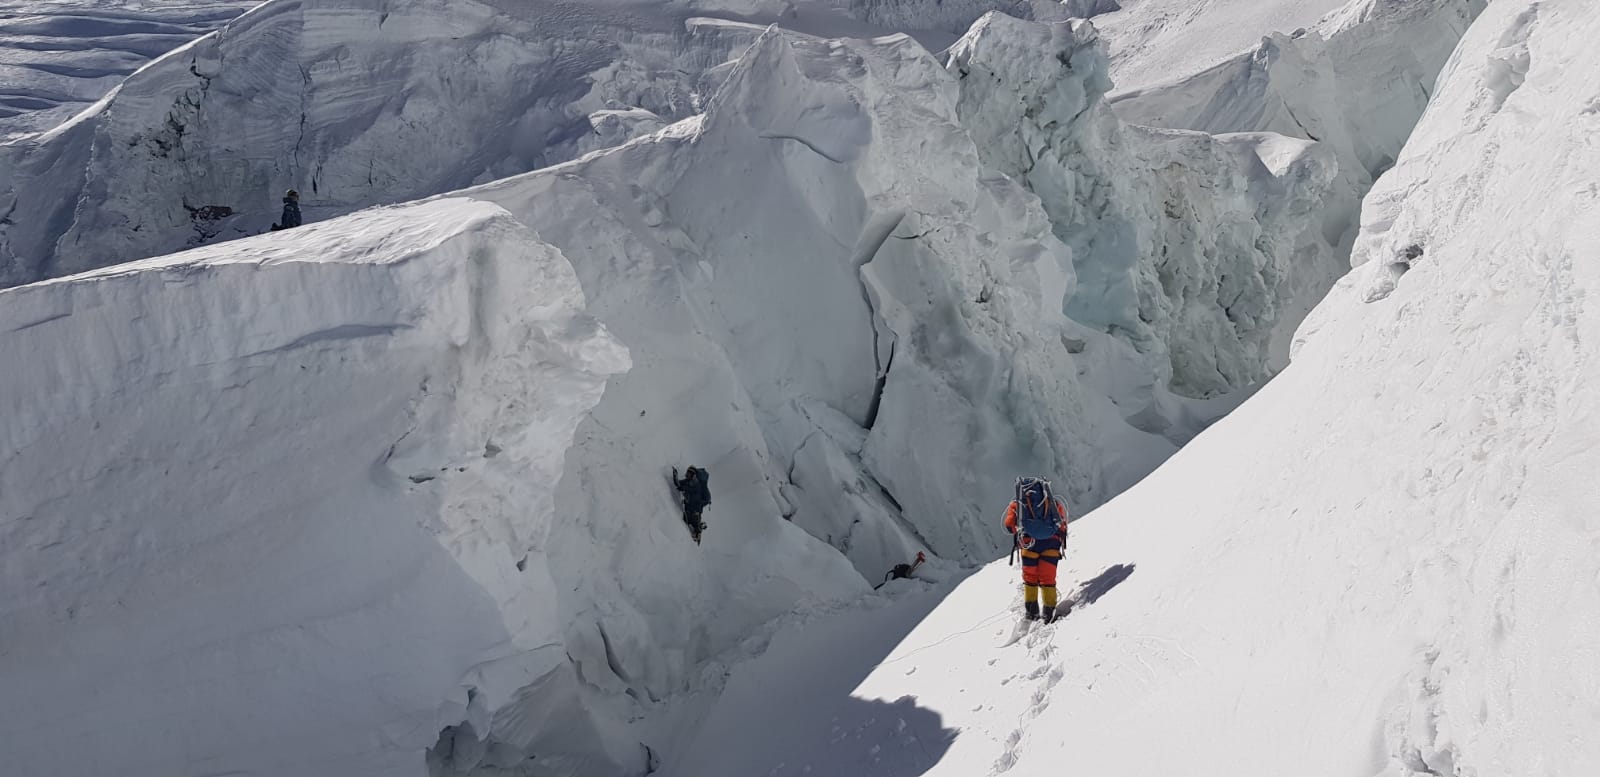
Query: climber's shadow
[{"x": 1097, "y": 586}]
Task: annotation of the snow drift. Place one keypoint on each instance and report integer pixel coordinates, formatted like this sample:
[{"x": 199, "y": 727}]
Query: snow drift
[{"x": 1387, "y": 561}]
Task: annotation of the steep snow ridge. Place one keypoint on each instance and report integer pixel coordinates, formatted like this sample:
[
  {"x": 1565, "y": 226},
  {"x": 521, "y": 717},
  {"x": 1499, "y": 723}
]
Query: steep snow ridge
[
  {"x": 1185, "y": 245},
  {"x": 58, "y": 57},
  {"x": 336, "y": 99},
  {"x": 1385, "y": 563},
  {"x": 311, "y": 458},
  {"x": 1432, "y": 567}
]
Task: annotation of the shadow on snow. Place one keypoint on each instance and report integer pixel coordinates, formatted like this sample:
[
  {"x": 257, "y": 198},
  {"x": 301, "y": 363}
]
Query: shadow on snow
[{"x": 792, "y": 712}]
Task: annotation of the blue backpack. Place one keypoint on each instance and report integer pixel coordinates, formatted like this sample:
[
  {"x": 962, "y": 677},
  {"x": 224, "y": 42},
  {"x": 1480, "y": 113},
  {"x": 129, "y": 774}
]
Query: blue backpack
[{"x": 1037, "y": 515}]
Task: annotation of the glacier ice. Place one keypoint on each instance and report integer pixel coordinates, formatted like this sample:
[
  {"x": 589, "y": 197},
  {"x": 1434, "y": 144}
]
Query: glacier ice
[
  {"x": 1357, "y": 81},
  {"x": 861, "y": 344},
  {"x": 1187, "y": 246},
  {"x": 295, "y": 531},
  {"x": 337, "y": 99}
]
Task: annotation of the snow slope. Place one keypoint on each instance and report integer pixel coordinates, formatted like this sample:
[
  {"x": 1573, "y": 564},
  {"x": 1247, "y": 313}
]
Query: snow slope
[
  {"x": 58, "y": 56},
  {"x": 1385, "y": 563}
]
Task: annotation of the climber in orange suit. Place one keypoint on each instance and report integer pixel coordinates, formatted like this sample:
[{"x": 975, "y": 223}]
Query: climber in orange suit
[{"x": 1039, "y": 523}]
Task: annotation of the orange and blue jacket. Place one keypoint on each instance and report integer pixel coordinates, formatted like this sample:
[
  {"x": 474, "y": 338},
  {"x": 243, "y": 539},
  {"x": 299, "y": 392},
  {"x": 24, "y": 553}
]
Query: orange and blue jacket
[{"x": 1042, "y": 546}]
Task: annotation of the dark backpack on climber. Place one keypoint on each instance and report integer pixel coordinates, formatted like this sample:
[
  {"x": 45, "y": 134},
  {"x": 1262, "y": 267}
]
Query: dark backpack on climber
[{"x": 1038, "y": 514}]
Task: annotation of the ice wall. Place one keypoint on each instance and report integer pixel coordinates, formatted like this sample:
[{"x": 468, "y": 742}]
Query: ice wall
[
  {"x": 283, "y": 507},
  {"x": 1193, "y": 249},
  {"x": 1356, "y": 81},
  {"x": 833, "y": 328}
]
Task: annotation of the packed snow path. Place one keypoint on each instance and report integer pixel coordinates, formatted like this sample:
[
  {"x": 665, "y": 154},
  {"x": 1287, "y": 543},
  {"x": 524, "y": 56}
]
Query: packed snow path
[{"x": 937, "y": 676}]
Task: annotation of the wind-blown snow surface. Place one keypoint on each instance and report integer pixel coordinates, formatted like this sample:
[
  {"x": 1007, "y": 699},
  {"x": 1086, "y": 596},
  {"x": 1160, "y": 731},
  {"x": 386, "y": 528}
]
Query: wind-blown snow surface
[
  {"x": 1385, "y": 563},
  {"x": 260, "y": 502},
  {"x": 59, "y": 56}
]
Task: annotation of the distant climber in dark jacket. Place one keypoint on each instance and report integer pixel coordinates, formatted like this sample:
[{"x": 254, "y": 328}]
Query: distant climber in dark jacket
[
  {"x": 291, "y": 212},
  {"x": 695, "y": 488}
]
